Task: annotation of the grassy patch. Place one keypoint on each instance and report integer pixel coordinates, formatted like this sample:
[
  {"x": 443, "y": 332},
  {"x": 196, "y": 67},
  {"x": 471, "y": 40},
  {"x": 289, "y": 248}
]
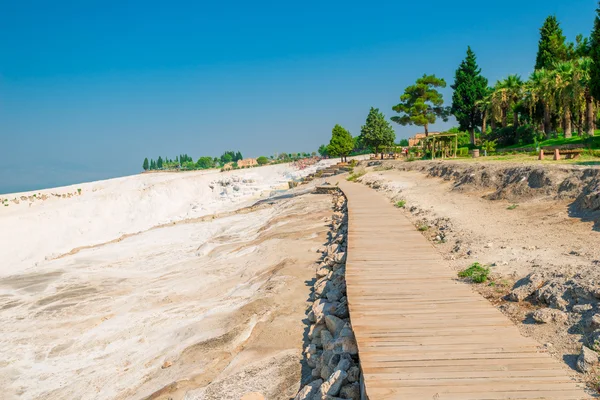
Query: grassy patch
[
  {"x": 355, "y": 176},
  {"x": 476, "y": 273},
  {"x": 512, "y": 206},
  {"x": 423, "y": 228},
  {"x": 400, "y": 204}
]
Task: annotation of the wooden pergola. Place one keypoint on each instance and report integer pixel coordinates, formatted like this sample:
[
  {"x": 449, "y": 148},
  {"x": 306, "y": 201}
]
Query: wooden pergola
[{"x": 445, "y": 144}]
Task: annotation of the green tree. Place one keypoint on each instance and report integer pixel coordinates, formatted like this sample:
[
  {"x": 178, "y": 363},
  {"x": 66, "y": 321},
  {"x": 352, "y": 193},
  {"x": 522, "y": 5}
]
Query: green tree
[
  {"x": 226, "y": 158},
  {"x": 152, "y": 164},
  {"x": 551, "y": 47},
  {"x": 421, "y": 104},
  {"x": 594, "y": 73},
  {"x": 341, "y": 143},
  {"x": 403, "y": 142},
  {"x": 159, "y": 162},
  {"x": 469, "y": 88},
  {"x": 323, "y": 150},
  {"x": 376, "y": 131},
  {"x": 205, "y": 163},
  {"x": 238, "y": 156},
  {"x": 146, "y": 165},
  {"x": 262, "y": 160}
]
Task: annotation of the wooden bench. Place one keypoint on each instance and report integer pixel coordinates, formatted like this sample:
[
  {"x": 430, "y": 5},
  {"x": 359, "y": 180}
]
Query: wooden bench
[{"x": 558, "y": 152}]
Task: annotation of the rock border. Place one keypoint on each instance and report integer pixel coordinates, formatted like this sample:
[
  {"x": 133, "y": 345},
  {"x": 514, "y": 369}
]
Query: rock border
[{"x": 332, "y": 353}]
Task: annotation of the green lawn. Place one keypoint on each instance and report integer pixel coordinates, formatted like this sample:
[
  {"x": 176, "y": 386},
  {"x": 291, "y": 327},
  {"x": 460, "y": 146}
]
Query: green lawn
[{"x": 560, "y": 141}]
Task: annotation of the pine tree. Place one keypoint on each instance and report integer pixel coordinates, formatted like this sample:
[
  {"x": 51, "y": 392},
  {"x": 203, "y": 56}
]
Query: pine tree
[
  {"x": 469, "y": 88},
  {"x": 421, "y": 104},
  {"x": 595, "y": 56},
  {"x": 376, "y": 131},
  {"x": 238, "y": 156},
  {"x": 551, "y": 47},
  {"x": 152, "y": 165},
  {"x": 159, "y": 162},
  {"x": 145, "y": 166},
  {"x": 341, "y": 143}
]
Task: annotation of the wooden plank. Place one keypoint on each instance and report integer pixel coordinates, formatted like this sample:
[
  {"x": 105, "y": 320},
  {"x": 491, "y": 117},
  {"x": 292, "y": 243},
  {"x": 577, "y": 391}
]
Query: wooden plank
[{"x": 423, "y": 334}]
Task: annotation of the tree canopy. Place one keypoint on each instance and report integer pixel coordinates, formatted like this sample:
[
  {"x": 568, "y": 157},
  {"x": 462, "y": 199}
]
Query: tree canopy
[
  {"x": 421, "y": 104},
  {"x": 376, "y": 131},
  {"x": 470, "y": 88},
  {"x": 146, "y": 166},
  {"x": 341, "y": 143},
  {"x": 323, "y": 150},
  {"x": 551, "y": 47}
]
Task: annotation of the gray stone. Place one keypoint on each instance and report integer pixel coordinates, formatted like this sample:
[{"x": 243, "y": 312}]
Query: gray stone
[
  {"x": 341, "y": 310},
  {"x": 587, "y": 359},
  {"x": 326, "y": 371},
  {"x": 594, "y": 321},
  {"x": 322, "y": 272},
  {"x": 321, "y": 308},
  {"x": 334, "y": 325},
  {"x": 311, "y": 349},
  {"x": 311, "y": 360},
  {"x": 343, "y": 365},
  {"x": 546, "y": 315},
  {"x": 351, "y": 391},
  {"x": 315, "y": 330},
  {"x": 316, "y": 372},
  {"x": 526, "y": 287},
  {"x": 354, "y": 374},
  {"x": 581, "y": 308},
  {"x": 326, "y": 339},
  {"x": 311, "y": 316},
  {"x": 348, "y": 345},
  {"x": 332, "y": 386},
  {"x": 308, "y": 391},
  {"x": 334, "y": 295}
]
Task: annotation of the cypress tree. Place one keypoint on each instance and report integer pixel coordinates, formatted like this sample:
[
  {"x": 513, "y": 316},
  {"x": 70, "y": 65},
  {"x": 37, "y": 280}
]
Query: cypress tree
[
  {"x": 145, "y": 166},
  {"x": 341, "y": 143},
  {"x": 551, "y": 47},
  {"x": 595, "y": 56},
  {"x": 152, "y": 165},
  {"x": 469, "y": 88},
  {"x": 159, "y": 162}
]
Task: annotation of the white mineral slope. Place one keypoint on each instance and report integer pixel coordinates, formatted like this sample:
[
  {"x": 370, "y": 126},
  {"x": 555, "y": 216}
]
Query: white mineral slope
[{"x": 36, "y": 230}]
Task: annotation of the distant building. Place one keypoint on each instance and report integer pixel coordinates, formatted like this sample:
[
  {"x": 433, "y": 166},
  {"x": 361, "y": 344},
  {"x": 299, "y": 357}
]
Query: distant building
[
  {"x": 416, "y": 140},
  {"x": 247, "y": 162}
]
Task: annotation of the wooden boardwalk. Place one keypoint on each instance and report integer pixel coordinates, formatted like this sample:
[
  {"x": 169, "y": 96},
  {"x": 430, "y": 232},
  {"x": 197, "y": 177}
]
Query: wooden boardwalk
[{"x": 424, "y": 335}]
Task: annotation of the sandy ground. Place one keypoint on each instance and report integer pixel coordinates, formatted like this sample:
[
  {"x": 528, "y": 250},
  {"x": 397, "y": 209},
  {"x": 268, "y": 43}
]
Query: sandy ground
[
  {"x": 205, "y": 310},
  {"x": 539, "y": 235}
]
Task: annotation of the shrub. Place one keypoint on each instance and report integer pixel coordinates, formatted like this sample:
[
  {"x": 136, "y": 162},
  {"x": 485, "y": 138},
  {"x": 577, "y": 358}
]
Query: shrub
[
  {"x": 262, "y": 160},
  {"x": 463, "y": 151},
  {"x": 79, "y": 190},
  {"x": 400, "y": 204},
  {"x": 512, "y": 206},
  {"x": 354, "y": 177},
  {"x": 353, "y": 163},
  {"x": 423, "y": 228},
  {"x": 476, "y": 272}
]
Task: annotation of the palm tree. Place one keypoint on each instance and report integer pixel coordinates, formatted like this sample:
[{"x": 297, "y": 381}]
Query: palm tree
[
  {"x": 539, "y": 89},
  {"x": 507, "y": 94},
  {"x": 485, "y": 105},
  {"x": 584, "y": 65},
  {"x": 566, "y": 90}
]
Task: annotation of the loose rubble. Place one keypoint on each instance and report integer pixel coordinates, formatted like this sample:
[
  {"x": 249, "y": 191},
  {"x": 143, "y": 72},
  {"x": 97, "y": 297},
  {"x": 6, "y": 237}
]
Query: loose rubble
[{"x": 332, "y": 353}]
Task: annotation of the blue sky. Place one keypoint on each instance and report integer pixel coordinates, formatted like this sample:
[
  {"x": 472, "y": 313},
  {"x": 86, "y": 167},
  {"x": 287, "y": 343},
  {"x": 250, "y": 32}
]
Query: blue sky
[{"x": 90, "y": 88}]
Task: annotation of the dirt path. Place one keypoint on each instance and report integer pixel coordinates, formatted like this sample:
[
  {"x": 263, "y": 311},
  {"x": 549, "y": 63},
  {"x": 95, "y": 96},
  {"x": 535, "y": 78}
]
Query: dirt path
[{"x": 516, "y": 236}]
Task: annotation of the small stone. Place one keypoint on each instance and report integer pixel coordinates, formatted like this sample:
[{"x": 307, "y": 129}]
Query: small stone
[
  {"x": 525, "y": 287},
  {"x": 333, "y": 385},
  {"x": 326, "y": 371},
  {"x": 351, "y": 391},
  {"x": 334, "y": 295},
  {"x": 326, "y": 339},
  {"x": 586, "y": 360},
  {"x": 349, "y": 345},
  {"x": 334, "y": 325},
  {"x": 166, "y": 364},
  {"x": 581, "y": 308},
  {"x": 311, "y": 316},
  {"x": 315, "y": 330},
  {"x": 546, "y": 315},
  {"x": 354, "y": 374},
  {"x": 343, "y": 365},
  {"x": 594, "y": 321},
  {"x": 311, "y": 349},
  {"x": 308, "y": 391},
  {"x": 323, "y": 271}
]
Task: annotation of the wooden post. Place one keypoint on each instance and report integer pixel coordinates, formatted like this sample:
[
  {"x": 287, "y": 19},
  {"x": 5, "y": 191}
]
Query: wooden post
[
  {"x": 541, "y": 157},
  {"x": 556, "y": 154}
]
